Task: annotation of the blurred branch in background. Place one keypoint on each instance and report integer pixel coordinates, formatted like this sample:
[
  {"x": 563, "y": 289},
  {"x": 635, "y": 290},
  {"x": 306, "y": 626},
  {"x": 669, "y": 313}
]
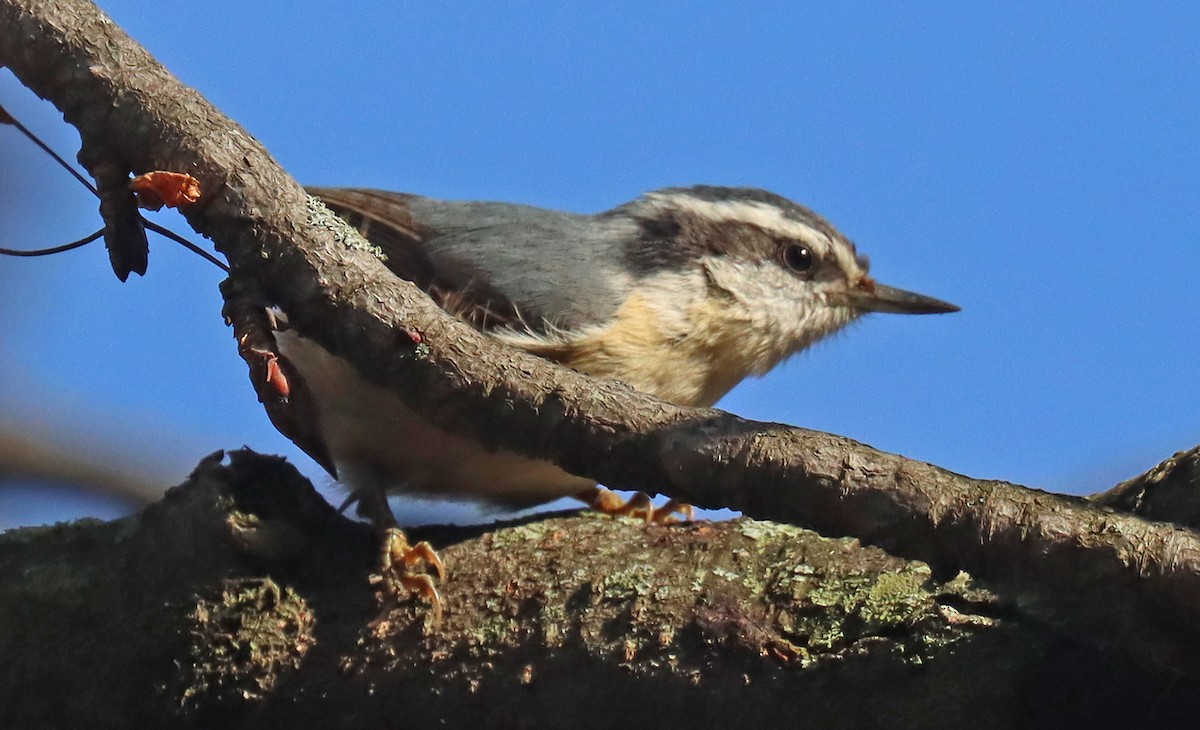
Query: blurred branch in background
[{"x": 30, "y": 455}]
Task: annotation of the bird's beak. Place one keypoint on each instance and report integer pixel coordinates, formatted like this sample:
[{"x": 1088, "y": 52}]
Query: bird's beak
[{"x": 868, "y": 296}]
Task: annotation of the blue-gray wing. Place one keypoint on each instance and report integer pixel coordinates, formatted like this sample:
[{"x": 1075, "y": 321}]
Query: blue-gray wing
[{"x": 496, "y": 265}]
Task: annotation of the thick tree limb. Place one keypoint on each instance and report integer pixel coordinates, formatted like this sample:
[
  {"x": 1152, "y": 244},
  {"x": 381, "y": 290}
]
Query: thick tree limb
[
  {"x": 1169, "y": 492},
  {"x": 241, "y": 599},
  {"x": 1141, "y": 580}
]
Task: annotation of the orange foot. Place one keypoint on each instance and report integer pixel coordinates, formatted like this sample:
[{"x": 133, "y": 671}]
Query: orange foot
[
  {"x": 404, "y": 569},
  {"x": 639, "y": 505}
]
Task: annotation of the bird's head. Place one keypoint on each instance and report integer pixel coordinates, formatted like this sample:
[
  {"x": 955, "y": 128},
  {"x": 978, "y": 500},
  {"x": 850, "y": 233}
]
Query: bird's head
[{"x": 774, "y": 265}]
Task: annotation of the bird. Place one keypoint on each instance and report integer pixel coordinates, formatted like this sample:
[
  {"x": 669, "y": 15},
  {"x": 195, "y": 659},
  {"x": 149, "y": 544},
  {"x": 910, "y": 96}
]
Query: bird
[{"x": 682, "y": 293}]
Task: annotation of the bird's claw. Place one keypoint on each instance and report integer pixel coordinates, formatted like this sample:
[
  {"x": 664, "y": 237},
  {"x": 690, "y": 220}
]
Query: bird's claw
[
  {"x": 639, "y": 505},
  {"x": 404, "y": 569}
]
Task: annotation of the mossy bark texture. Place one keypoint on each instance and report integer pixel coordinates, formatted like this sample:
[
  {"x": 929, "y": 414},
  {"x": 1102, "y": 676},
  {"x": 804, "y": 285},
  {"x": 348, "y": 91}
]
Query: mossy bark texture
[{"x": 243, "y": 597}]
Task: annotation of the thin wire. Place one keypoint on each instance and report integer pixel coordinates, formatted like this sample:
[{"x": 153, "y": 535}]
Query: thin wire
[
  {"x": 46, "y": 148},
  {"x": 54, "y": 250},
  {"x": 168, "y": 233},
  {"x": 160, "y": 230}
]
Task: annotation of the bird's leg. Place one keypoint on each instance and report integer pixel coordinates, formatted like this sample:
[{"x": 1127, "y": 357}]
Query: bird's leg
[
  {"x": 403, "y": 568},
  {"x": 639, "y": 505}
]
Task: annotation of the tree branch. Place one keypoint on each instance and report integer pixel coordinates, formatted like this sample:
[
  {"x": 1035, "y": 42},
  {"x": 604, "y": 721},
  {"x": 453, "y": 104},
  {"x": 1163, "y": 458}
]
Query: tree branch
[
  {"x": 1169, "y": 492},
  {"x": 241, "y": 599},
  {"x": 41, "y": 460},
  {"x": 1140, "y": 581}
]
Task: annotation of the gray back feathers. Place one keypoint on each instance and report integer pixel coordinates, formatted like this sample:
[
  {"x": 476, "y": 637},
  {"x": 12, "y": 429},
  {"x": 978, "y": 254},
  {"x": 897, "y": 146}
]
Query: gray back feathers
[
  {"x": 496, "y": 264},
  {"x": 526, "y": 268}
]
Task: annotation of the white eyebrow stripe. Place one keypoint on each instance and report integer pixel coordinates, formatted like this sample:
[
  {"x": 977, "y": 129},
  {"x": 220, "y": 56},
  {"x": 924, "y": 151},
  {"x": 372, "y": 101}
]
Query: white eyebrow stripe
[{"x": 763, "y": 215}]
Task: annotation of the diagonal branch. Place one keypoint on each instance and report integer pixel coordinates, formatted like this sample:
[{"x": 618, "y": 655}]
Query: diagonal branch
[{"x": 1111, "y": 576}]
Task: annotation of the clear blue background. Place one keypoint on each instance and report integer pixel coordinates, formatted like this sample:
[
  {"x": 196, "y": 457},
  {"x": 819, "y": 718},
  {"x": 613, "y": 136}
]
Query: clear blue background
[{"x": 1039, "y": 167}]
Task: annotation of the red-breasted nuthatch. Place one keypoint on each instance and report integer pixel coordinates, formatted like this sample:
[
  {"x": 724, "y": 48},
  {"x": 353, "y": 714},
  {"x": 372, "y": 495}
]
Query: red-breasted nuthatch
[{"x": 681, "y": 293}]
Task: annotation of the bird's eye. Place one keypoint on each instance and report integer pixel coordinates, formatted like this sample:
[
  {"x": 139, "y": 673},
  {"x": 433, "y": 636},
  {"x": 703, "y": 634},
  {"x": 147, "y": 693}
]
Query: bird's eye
[{"x": 797, "y": 257}]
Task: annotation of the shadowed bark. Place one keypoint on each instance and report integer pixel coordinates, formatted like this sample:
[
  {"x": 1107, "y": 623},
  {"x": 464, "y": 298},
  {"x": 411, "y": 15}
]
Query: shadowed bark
[
  {"x": 243, "y": 597},
  {"x": 1169, "y": 492}
]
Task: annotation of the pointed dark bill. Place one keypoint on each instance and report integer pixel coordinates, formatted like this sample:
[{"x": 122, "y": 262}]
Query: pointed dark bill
[{"x": 881, "y": 298}]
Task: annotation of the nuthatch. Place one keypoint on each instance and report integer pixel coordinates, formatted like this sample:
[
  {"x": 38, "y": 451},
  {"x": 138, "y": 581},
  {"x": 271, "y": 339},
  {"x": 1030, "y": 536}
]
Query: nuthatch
[{"x": 681, "y": 293}]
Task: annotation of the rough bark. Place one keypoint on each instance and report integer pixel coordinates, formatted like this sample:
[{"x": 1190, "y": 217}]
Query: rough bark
[
  {"x": 243, "y": 598},
  {"x": 1105, "y": 576},
  {"x": 1169, "y": 492}
]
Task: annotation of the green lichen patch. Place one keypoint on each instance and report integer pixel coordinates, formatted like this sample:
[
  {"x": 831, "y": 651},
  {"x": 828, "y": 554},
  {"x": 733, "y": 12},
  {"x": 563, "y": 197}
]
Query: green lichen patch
[
  {"x": 764, "y": 530},
  {"x": 531, "y": 532},
  {"x": 826, "y": 614},
  {"x": 630, "y": 583},
  {"x": 319, "y": 215},
  {"x": 661, "y": 601},
  {"x": 242, "y": 642}
]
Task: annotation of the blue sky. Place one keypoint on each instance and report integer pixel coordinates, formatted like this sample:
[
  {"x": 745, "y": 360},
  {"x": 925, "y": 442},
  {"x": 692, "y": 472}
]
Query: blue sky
[{"x": 1037, "y": 166}]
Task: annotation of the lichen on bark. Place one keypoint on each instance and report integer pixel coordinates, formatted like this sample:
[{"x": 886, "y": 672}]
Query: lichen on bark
[{"x": 242, "y": 596}]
